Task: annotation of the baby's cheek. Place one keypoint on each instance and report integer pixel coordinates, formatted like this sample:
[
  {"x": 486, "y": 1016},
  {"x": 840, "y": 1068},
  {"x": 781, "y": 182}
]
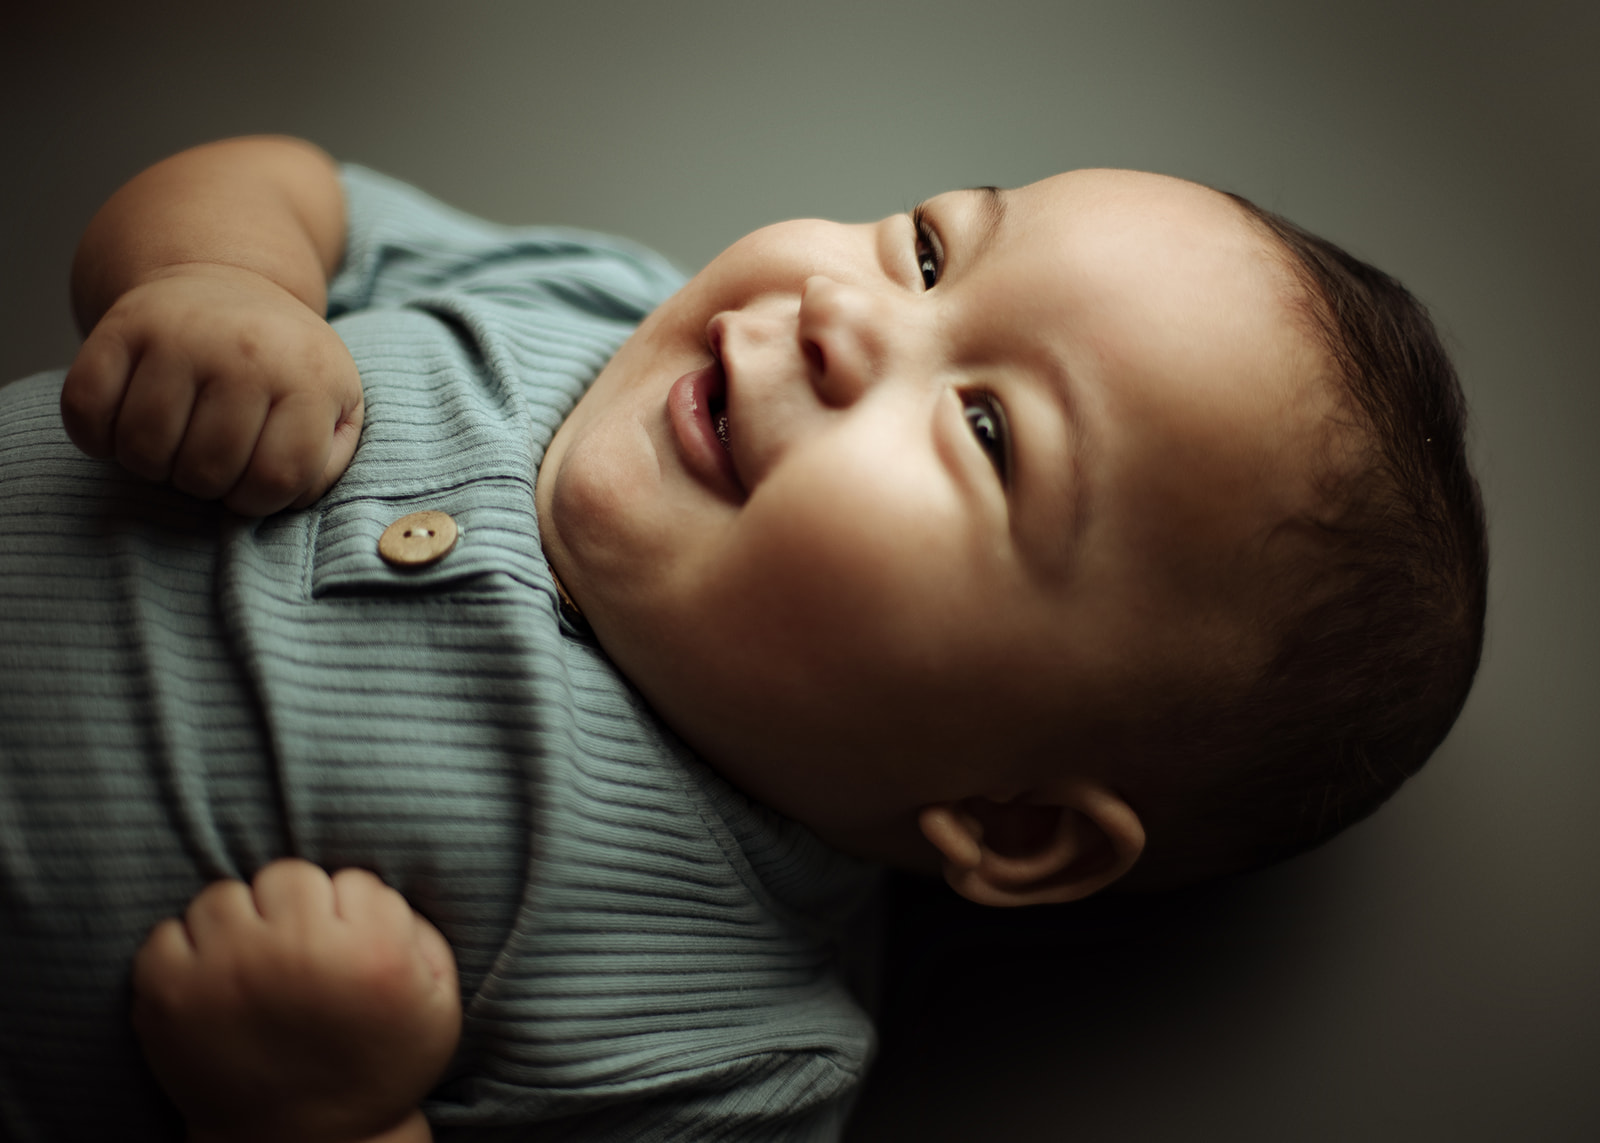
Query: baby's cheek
[{"x": 850, "y": 584}]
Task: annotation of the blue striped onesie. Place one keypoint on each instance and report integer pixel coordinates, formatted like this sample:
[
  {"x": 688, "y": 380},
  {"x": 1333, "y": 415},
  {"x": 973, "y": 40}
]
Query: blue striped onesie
[{"x": 186, "y": 694}]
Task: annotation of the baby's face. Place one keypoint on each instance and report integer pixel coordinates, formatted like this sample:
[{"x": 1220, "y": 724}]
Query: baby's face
[{"x": 982, "y": 482}]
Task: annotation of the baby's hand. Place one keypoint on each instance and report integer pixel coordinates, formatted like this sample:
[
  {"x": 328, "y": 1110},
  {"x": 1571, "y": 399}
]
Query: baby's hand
[
  {"x": 220, "y": 381},
  {"x": 301, "y": 1007}
]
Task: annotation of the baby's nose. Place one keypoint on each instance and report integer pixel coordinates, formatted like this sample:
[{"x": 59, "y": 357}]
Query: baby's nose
[{"x": 843, "y": 332}]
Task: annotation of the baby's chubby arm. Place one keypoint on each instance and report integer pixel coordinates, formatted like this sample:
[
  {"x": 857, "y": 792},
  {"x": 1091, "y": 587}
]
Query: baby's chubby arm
[
  {"x": 201, "y": 287},
  {"x": 301, "y": 1007}
]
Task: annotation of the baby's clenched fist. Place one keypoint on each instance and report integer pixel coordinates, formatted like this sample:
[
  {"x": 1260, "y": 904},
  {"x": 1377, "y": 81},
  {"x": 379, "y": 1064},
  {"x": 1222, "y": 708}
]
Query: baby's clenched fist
[
  {"x": 306, "y": 1007},
  {"x": 220, "y": 382}
]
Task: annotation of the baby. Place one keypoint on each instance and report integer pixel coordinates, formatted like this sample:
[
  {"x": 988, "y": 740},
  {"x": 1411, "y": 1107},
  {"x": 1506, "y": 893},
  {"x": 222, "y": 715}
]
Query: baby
[{"x": 1104, "y": 531}]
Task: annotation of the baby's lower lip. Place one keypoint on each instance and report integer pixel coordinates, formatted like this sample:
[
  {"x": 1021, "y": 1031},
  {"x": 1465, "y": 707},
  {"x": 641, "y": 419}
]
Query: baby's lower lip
[{"x": 689, "y": 404}]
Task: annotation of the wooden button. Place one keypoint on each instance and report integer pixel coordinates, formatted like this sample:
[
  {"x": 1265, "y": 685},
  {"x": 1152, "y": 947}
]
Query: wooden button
[{"x": 418, "y": 539}]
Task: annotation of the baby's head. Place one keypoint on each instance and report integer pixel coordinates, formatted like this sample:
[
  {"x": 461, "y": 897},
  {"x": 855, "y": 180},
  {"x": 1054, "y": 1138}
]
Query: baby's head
[{"x": 1105, "y": 525}]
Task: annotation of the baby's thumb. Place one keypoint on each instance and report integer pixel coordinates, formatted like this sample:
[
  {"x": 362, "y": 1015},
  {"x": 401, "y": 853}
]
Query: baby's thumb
[
  {"x": 442, "y": 1032},
  {"x": 435, "y": 952},
  {"x": 346, "y": 436}
]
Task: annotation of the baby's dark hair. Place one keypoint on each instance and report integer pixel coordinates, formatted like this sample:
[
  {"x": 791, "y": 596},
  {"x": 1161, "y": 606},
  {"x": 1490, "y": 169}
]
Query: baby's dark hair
[{"x": 1374, "y": 658}]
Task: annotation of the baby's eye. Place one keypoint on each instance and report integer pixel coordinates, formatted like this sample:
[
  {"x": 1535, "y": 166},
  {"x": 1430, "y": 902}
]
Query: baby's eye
[
  {"x": 930, "y": 254},
  {"x": 987, "y": 420}
]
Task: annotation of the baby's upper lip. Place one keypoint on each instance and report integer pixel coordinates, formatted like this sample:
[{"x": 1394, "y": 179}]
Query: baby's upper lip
[
  {"x": 714, "y": 331},
  {"x": 764, "y": 406}
]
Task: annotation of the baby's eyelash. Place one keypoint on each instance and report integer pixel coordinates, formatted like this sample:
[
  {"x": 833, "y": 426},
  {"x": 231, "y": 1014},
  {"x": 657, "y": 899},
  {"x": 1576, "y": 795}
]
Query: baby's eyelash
[{"x": 929, "y": 250}]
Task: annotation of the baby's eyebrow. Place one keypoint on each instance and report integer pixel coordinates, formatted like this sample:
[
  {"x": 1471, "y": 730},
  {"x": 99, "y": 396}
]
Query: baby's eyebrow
[{"x": 991, "y": 217}]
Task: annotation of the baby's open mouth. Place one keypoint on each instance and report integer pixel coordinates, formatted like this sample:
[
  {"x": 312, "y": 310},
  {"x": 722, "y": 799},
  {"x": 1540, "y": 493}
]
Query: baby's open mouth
[
  {"x": 719, "y": 418},
  {"x": 697, "y": 408}
]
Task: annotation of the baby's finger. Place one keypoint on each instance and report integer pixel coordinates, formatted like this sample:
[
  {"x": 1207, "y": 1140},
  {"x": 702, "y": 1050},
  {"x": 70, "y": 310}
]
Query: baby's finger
[
  {"x": 220, "y": 909},
  {"x": 220, "y": 438},
  {"x": 292, "y": 889},
  {"x": 166, "y": 949},
  {"x": 162, "y": 970},
  {"x": 289, "y": 456},
  {"x": 92, "y": 392},
  {"x": 435, "y": 951},
  {"x": 361, "y": 897},
  {"x": 155, "y": 410}
]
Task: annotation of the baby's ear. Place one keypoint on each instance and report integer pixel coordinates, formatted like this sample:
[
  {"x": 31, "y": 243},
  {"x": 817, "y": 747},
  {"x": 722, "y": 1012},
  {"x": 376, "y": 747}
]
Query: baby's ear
[{"x": 1034, "y": 852}]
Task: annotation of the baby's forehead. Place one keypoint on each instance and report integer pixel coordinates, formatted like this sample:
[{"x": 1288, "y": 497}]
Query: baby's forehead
[
  {"x": 1122, "y": 215},
  {"x": 1159, "y": 195},
  {"x": 1146, "y": 263}
]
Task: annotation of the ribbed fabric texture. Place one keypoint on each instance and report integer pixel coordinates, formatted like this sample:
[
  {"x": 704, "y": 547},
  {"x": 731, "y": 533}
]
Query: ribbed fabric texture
[{"x": 185, "y": 694}]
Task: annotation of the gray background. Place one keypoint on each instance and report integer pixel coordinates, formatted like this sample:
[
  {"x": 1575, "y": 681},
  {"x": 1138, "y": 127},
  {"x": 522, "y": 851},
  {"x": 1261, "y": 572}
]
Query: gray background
[{"x": 1435, "y": 973}]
